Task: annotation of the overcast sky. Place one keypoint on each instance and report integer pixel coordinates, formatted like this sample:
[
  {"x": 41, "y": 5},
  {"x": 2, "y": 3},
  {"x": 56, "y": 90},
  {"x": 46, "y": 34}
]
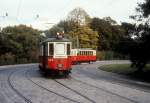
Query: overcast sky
[{"x": 52, "y": 11}]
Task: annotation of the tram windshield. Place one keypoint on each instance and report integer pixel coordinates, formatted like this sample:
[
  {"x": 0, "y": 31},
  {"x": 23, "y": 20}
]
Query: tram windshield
[{"x": 60, "y": 49}]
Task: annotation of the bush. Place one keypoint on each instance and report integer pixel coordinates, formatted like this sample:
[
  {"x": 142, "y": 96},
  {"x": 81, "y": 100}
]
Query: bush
[
  {"x": 22, "y": 61},
  {"x": 100, "y": 55},
  {"x": 110, "y": 55},
  {"x": 7, "y": 58}
]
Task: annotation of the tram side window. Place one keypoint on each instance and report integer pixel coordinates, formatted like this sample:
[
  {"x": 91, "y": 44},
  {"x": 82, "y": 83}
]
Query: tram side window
[
  {"x": 80, "y": 53},
  {"x": 51, "y": 49},
  {"x": 68, "y": 49},
  {"x": 90, "y": 52},
  {"x": 41, "y": 50}
]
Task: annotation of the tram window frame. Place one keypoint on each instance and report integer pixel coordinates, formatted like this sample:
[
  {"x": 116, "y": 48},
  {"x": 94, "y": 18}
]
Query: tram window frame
[
  {"x": 83, "y": 53},
  {"x": 60, "y": 49},
  {"x": 51, "y": 49},
  {"x": 90, "y": 53},
  {"x": 68, "y": 49},
  {"x": 86, "y": 53},
  {"x": 80, "y": 52}
]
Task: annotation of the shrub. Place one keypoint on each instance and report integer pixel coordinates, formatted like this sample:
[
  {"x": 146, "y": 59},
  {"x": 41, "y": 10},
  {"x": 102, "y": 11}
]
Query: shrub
[
  {"x": 7, "y": 58},
  {"x": 110, "y": 55}
]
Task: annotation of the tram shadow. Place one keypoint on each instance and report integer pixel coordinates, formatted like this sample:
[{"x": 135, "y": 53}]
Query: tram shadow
[{"x": 55, "y": 75}]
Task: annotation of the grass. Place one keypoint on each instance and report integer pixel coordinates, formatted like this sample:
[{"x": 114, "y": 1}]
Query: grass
[{"x": 125, "y": 69}]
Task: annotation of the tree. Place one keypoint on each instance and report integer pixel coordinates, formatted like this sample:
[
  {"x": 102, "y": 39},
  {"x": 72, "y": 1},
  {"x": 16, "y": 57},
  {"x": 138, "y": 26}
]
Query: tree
[
  {"x": 67, "y": 25},
  {"x": 79, "y": 16},
  {"x": 140, "y": 54},
  {"x": 87, "y": 37},
  {"x": 63, "y": 26},
  {"x": 129, "y": 29},
  {"x": 110, "y": 20},
  {"x": 144, "y": 8},
  {"x": 53, "y": 31},
  {"x": 20, "y": 43},
  {"x": 77, "y": 29},
  {"x": 109, "y": 33}
]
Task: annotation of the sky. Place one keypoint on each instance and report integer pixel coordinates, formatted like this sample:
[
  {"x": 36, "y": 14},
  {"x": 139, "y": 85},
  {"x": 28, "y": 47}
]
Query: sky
[{"x": 50, "y": 12}]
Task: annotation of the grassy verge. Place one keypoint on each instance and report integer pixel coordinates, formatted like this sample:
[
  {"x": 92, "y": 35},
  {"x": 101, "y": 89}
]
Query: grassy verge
[
  {"x": 118, "y": 68},
  {"x": 125, "y": 69}
]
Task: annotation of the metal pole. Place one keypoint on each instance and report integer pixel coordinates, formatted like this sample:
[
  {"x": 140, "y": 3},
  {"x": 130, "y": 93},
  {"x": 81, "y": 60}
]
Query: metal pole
[{"x": 78, "y": 46}]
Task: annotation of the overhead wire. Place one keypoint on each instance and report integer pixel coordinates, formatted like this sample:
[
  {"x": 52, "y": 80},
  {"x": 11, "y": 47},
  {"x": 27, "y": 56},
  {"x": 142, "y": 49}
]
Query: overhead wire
[{"x": 18, "y": 10}]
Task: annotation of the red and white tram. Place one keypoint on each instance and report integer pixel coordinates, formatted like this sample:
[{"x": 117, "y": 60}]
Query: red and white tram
[
  {"x": 83, "y": 55},
  {"x": 55, "y": 55}
]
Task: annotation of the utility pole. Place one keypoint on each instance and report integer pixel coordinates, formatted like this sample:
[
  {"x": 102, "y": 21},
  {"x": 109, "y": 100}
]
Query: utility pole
[{"x": 77, "y": 41}]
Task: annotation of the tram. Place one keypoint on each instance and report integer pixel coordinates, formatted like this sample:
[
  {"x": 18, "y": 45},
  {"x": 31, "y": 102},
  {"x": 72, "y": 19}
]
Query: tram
[
  {"x": 55, "y": 55},
  {"x": 83, "y": 55}
]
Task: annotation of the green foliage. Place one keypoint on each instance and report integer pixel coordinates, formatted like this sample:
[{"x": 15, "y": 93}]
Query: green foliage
[
  {"x": 110, "y": 55},
  {"x": 101, "y": 34},
  {"x": 109, "y": 34},
  {"x": 125, "y": 69},
  {"x": 53, "y": 31},
  {"x": 118, "y": 68},
  {"x": 87, "y": 37},
  {"x": 100, "y": 55},
  {"x": 7, "y": 58},
  {"x": 20, "y": 44},
  {"x": 110, "y": 20},
  {"x": 144, "y": 8},
  {"x": 140, "y": 53}
]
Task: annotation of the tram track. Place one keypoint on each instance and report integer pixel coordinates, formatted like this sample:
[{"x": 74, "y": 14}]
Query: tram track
[
  {"x": 8, "y": 72},
  {"x": 105, "y": 90},
  {"x": 81, "y": 94},
  {"x": 15, "y": 90},
  {"x": 9, "y": 80},
  {"x": 92, "y": 101},
  {"x": 76, "y": 89},
  {"x": 46, "y": 89},
  {"x": 119, "y": 81}
]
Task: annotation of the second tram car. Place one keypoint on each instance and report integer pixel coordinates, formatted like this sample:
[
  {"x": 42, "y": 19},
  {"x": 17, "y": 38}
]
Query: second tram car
[
  {"x": 55, "y": 55},
  {"x": 83, "y": 55}
]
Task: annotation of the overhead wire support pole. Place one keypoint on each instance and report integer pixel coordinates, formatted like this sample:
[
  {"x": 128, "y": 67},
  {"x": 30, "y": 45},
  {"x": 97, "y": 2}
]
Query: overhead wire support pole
[
  {"x": 78, "y": 41},
  {"x": 18, "y": 10}
]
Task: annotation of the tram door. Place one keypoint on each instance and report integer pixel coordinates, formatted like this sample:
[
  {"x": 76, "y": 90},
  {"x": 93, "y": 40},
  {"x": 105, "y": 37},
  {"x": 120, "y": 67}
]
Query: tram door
[{"x": 44, "y": 56}]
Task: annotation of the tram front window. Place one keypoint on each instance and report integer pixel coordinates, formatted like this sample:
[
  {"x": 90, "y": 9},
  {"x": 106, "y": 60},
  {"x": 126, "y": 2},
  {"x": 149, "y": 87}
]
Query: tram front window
[
  {"x": 68, "y": 49},
  {"x": 51, "y": 49},
  {"x": 60, "y": 49}
]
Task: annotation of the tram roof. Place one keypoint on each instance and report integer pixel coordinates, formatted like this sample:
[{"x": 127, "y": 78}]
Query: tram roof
[{"x": 56, "y": 40}]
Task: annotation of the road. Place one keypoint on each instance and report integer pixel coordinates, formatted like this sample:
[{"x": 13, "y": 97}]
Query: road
[{"x": 86, "y": 84}]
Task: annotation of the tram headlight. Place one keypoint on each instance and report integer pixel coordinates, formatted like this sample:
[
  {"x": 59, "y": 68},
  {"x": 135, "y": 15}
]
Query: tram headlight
[{"x": 60, "y": 65}]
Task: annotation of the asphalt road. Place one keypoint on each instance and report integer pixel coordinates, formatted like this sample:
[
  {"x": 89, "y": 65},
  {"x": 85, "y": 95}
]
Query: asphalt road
[{"x": 86, "y": 84}]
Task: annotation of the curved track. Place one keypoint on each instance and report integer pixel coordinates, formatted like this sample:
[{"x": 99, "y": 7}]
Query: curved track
[
  {"x": 76, "y": 91},
  {"x": 17, "y": 91},
  {"x": 44, "y": 88},
  {"x": 25, "y": 84},
  {"x": 92, "y": 101},
  {"x": 105, "y": 90}
]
